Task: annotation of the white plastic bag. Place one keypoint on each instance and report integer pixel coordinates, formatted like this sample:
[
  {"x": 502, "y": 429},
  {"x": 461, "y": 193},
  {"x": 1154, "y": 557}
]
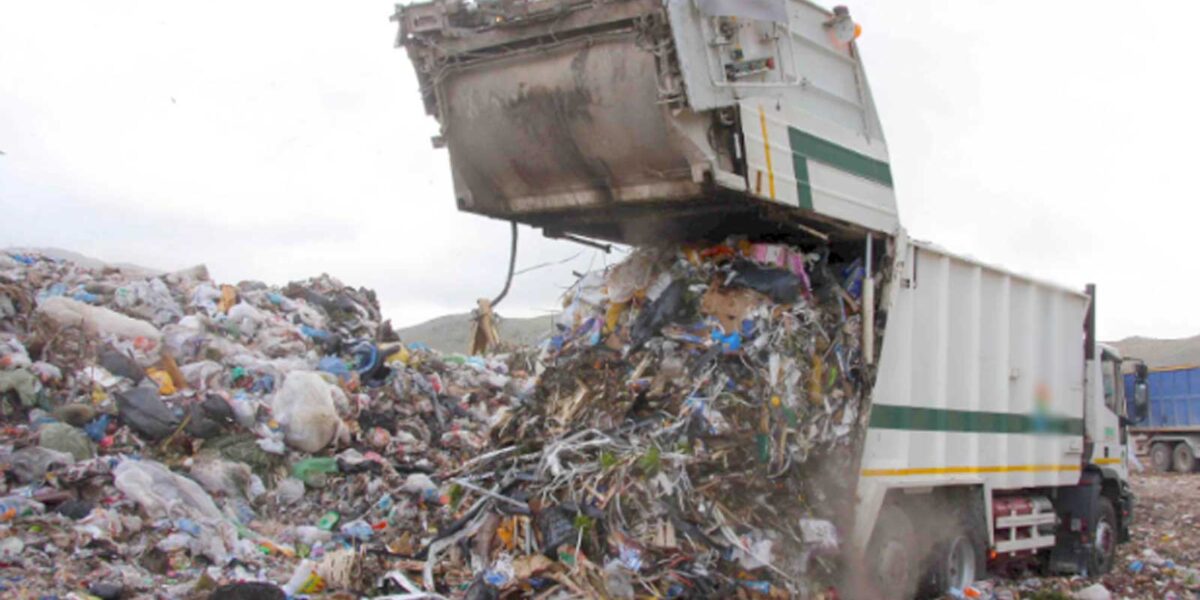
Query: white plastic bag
[
  {"x": 161, "y": 493},
  {"x": 96, "y": 320},
  {"x": 305, "y": 407}
]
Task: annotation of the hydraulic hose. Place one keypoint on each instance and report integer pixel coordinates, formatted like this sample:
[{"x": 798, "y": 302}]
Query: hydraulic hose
[{"x": 512, "y": 265}]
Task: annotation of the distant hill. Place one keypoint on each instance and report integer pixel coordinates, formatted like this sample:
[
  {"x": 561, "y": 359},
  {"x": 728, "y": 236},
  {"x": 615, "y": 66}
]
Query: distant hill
[
  {"x": 1162, "y": 353},
  {"x": 451, "y": 332}
]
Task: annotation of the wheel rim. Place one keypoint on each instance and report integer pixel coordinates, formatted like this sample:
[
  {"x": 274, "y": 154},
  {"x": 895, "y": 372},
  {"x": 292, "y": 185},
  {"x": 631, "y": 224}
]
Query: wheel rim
[
  {"x": 960, "y": 563},
  {"x": 1105, "y": 543}
]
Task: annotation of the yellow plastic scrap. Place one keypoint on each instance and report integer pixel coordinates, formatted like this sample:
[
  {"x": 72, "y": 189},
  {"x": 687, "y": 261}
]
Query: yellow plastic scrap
[
  {"x": 228, "y": 298},
  {"x": 167, "y": 363},
  {"x": 271, "y": 547},
  {"x": 313, "y": 584},
  {"x": 98, "y": 395},
  {"x": 507, "y": 532},
  {"x": 816, "y": 391},
  {"x": 613, "y": 317},
  {"x": 400, "y": 356},
  {"x": 166, "y": 387}
]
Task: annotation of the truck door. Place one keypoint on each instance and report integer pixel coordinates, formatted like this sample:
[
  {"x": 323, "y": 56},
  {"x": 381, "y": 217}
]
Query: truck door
[{"x": 1106, "y": 426}]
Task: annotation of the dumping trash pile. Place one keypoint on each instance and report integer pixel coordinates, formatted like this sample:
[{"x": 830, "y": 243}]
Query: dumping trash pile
[{"x": 689, "y": 433}]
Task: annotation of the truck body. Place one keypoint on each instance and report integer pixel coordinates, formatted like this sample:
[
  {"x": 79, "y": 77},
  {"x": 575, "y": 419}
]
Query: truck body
[
  {"x": 993, "y": 408},
  {"x": 1170, "y": 431},
  {"x": 983, "y": 384}
]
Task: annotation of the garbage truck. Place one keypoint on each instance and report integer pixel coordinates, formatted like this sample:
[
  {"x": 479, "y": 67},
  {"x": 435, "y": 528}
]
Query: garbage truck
[
  {"x": 1170, "y": 428},
  {"x": 995, "y": 430}
]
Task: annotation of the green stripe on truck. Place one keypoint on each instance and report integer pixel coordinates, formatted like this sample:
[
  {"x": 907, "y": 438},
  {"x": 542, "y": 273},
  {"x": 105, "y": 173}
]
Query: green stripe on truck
[
  {"x": 908, "y": 418},
  {"x": 810, "y": 147},
  {"x": 803, "y": 187}
]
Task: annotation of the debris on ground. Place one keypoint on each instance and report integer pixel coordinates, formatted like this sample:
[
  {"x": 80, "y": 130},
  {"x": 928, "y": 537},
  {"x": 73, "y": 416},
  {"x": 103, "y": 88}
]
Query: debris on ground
[
  {"x": 1160, "y": 562},
  {"x": 171, "y": 436}
]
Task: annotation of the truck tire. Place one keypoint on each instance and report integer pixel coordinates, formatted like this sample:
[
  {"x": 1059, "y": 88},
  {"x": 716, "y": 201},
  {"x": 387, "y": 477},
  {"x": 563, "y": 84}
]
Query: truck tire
[
  {"x": 1104, "y": 540},
  {"x": 894, "y": 556},
  {"x": 954, "y": 564},
  {"x": 1185, "y": 460},
  {"x": 1160, "y": 457}
]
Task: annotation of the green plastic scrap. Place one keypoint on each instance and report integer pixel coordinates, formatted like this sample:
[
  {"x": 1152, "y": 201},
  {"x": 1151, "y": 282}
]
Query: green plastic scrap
[
  {"x": 24, "y": 383},
  {"x": 650, "y": 462},
  {"x": 584, "y": 523},
  {"x": 763, "y": 442},
  {"x": 456, "y": 495},
  {"x": 329, "y": 520},
  {"x": 313, "y": 471},
  {"x": 64, "y": 438}
]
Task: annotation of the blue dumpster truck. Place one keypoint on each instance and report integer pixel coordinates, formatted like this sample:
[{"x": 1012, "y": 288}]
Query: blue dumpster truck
[{"x": 1171, "y": 427}]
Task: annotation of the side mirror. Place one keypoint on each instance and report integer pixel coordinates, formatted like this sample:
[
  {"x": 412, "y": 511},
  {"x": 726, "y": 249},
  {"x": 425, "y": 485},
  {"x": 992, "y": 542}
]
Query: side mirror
[
  {"x": 1141, "y": 401},
  {"x": 1141, "y": 371}
]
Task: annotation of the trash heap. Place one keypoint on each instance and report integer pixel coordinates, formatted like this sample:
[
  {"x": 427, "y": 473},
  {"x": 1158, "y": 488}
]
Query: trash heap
[
  {"x": 691, "y": 432},
  {"x": 694, "y": 433}
]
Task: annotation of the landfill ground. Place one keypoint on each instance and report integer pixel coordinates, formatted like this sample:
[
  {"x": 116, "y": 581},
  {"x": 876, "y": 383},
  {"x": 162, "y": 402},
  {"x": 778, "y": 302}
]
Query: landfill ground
[{"x": 169, "y": 436}]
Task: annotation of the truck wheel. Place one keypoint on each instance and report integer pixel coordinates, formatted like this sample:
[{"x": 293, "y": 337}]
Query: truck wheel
[
  {"x": 1185, "y": 461},
  {"x": 954, "y": 565},
  {"x": 1160, "y": 457},
  {"x": 893, "y": 557},
  {"x": 1104, "y": 540}
]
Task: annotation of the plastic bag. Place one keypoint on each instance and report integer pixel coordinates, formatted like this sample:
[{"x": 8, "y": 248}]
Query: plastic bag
[
  {"x": 202, "y": 374},
  {"x": 780, "y": 285},
  {"x": 209, "y": 418},
  {"x": 225, "y": 477},
  {"x": 247, "y": 318},
  {"x": 146, "y": 413},
  {"x": 24, "y": 383},
  {"x": 64, "y": 438},
  {"x": 665, "y": 310},
  {"x": 305, "y": 407},
  {"x": 163, "y": 494},
  {"x": 30, "y": 464},
  {"x": 96, "y": 320},
  {"x": 119, "y": 363}
]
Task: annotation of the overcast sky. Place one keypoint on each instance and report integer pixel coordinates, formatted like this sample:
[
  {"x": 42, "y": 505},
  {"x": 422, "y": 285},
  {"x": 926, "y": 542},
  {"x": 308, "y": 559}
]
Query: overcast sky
[{"x": 277, "y": 140}]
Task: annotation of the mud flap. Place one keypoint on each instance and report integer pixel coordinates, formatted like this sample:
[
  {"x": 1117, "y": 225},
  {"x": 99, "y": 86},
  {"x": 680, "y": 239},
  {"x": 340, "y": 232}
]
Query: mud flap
[
  {"x": 1077, "y": 509},
  {"x": 1124, "y": 512}
]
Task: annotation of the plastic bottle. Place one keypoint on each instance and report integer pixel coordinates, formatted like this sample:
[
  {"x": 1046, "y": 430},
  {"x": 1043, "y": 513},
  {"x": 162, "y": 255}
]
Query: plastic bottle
[{"x": 304, "y": 580}]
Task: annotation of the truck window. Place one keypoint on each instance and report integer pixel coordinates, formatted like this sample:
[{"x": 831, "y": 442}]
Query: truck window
[{"x": 1111, "y": 394}]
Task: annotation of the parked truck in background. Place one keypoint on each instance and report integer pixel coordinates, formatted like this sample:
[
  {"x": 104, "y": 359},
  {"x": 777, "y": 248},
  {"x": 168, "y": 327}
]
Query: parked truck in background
[
  {"x": 1169, "y": 429},
  {"x": 995, "y": 419}
]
